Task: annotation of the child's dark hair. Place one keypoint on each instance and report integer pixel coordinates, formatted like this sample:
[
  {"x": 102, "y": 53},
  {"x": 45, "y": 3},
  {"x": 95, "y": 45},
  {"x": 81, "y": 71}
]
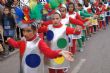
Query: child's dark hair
[
  {"x": 33, "y": 27},
  {"x": 9, "y": 14},
  {"x": 100, "y": 3},
  {"x": 80, "y": 5},
  {"x": 70, "y": 4},
  {"x": 86, "y": 4},
  {"x": 9, "y": 8}
]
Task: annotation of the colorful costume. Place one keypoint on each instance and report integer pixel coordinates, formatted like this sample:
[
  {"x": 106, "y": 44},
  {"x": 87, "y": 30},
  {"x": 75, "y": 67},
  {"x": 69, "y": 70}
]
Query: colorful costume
[
  {"x": 74, "y": 37},
  {"x": 57, "y": 39},
  {"x": 31, "y": 50},
  {"x": 30, "y": 53},
  {"x": 101, "y": 12}
]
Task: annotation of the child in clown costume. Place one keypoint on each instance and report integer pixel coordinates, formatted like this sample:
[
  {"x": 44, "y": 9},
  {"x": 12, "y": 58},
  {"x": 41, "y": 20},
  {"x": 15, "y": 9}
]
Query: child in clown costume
[
  {"x": 56, "y": 35},
  {"x": 69, "y": 20},
  {"x": 86, "y": 8},
  {"x": 101, "y": 12},
  {"x": 73, "y": 14},
  {"x": 83, "y": 14},
  {"x": 65, "y": 20},
  {"x": 32, "y": 48}
]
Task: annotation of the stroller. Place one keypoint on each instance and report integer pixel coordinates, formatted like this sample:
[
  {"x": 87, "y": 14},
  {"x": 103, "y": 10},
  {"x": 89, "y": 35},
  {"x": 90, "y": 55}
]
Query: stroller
[{"x": 3, "y": 50}]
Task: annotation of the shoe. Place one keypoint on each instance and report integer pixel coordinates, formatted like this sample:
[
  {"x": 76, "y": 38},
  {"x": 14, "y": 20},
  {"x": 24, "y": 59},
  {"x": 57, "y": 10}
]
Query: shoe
[
  {"x": 11, "y": 49},
  {"x": 87, "y": 38},
  {"x": 81, "y": 50}
]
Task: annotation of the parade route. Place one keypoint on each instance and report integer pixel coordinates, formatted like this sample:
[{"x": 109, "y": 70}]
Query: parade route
[{"x": 94, "y": 59}]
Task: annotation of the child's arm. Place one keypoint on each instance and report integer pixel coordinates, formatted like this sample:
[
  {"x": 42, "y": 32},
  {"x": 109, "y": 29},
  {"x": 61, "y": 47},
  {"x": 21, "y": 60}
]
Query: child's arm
[
  {"x": 70, "y": 30},
  {"x": 47, "y": 51},
  {"x": 85, "y": 14},
  {"x": 53, "y": 53},
  {"x": 12, "y": 42},
  {"x": 46, "y": 23},
  {"x": 43, "y": 29},
  {"x": 79, "y": 18},
  {"x": 76, "y": 22}
]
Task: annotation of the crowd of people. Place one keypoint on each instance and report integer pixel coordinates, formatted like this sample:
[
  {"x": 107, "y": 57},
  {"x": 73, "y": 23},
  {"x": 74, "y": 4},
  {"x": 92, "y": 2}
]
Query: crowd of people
[
  {"x": 56, "y": 28},
  {"x": 7, "y": 24}
]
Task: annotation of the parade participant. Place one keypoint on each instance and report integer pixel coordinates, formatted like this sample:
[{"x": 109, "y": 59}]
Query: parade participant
[
  {"x": 84, "y": 14},
  {"x": 94, "y": 19},
  {"x": 73, "y": 14},
  {"x": 65, "y": 18},
  {"x": 32, "y": 47},
  {"x": 107, "y": 14},
  {"x": 101, "y": 11},
  {"x": 56, "y": 35},
  {"x": 86, "y": 6}
]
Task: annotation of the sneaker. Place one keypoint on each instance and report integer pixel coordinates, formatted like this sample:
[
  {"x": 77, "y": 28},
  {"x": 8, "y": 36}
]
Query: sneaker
[
  {"x": 87, "y": 38},
  {"x": 11, "y": 49},
  {"x": 81, "y": 50}
]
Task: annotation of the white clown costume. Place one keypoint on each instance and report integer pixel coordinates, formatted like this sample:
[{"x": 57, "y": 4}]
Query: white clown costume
[
  {"x": 58, "y": 40},
  {"x": 32, "y": 50}
]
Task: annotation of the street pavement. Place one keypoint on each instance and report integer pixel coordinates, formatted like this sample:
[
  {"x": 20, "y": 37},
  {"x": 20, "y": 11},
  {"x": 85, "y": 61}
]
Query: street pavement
[
  {"x": 94, "y": 59},
  {"x": 96, "y": 55}
]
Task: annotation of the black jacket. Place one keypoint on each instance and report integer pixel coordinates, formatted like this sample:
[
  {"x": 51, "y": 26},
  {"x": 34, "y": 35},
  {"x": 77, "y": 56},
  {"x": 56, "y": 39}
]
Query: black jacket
[{"x": 11, "y": 20}]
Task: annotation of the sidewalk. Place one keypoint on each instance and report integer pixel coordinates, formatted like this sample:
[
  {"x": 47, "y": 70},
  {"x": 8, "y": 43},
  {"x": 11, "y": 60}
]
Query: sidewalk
[{"x": 10, "y": 54}]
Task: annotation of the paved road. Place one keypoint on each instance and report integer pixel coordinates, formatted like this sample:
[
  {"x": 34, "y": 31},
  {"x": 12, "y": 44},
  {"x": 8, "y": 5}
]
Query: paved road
[
  {"x": 96, "y": 55},
  {"x": 10, "y": 65},
  {"x": 94, "y": 59}
]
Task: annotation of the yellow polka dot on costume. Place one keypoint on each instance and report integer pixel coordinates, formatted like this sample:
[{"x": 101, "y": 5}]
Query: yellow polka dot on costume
[{"x": 59, "y": 60}]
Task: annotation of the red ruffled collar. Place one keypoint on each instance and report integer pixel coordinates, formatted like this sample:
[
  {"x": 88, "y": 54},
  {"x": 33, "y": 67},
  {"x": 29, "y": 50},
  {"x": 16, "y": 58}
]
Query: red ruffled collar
[
  {"x": 63, "y": 16},
  {"x": 58, "y": 26},
  {"x": 71, "y": 12}
]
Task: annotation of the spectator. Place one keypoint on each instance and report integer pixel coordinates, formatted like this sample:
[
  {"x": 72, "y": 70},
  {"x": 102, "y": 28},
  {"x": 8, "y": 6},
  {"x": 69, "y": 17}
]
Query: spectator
[
  {"x": 15, "y": 3},
  {"x": 8, "y": 24}
]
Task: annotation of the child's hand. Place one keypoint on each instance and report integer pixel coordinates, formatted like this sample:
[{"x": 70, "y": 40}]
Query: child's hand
[
  {"x": 95, "y": 16},
  {"x": 7, "y": 39},
  {"x": 68, "y": 55}
]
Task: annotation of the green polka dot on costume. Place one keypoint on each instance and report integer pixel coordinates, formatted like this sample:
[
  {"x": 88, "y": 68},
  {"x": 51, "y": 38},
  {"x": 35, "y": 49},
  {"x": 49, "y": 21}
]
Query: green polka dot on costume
[{"x": 62, "y": 43}]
